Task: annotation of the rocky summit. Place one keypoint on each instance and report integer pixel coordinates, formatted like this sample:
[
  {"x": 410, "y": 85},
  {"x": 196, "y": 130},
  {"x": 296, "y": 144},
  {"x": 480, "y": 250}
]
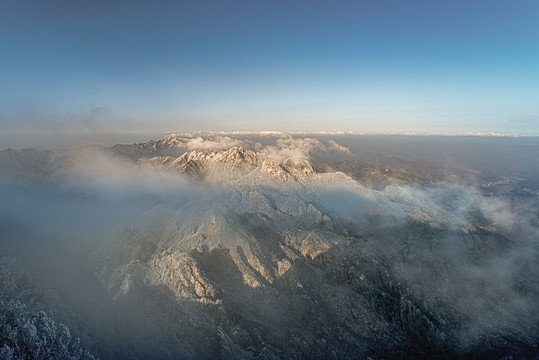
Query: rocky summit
[{"x": 203, "y": 164}]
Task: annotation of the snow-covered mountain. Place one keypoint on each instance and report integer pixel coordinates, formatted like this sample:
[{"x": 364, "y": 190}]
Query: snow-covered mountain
[
  {"x": 218, "y": 248},
  {"x": 214, "y": 163}
]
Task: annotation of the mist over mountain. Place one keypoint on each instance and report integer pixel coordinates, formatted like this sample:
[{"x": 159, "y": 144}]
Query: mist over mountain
[{"x": 276, "y": 246}]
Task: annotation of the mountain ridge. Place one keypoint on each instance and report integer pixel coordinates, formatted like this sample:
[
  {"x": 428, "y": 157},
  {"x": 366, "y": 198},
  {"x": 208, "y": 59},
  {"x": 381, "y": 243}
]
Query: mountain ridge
[{"x": 197, "y": 163}]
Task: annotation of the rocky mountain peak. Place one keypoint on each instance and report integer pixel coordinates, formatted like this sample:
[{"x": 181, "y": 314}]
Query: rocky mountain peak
[{"x": 206, "y": 163}]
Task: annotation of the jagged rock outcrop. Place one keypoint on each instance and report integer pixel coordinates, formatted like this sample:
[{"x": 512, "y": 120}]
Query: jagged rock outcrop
[{"x": 228, "y": 163}]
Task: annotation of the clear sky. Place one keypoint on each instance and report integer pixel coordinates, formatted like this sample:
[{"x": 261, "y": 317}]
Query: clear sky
[{"x": 380, "y": 65}]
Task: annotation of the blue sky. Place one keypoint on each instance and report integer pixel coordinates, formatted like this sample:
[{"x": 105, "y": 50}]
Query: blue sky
[{"x": 141, "y": 66}]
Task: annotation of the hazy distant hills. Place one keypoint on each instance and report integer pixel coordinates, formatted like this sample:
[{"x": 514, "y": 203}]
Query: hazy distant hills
[
  {"x": 269, "y": 247},
  {"x": 28, "y": 163}
]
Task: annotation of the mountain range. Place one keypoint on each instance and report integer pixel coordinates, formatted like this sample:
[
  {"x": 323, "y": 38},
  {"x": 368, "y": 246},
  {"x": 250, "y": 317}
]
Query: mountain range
[{"x": 264, "y": 248}]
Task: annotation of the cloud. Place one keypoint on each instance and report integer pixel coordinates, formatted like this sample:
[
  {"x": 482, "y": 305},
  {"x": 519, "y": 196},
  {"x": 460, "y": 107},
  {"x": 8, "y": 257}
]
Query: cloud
[
  {"x": 214, "y": 143},
  {"x": 278, "y": 146},
  {"x": 334, "y": 146},
  {"x": 446, "y": 246},
  {"x": 291, "y": 148},
  {"x": 92, "y": 195},
  {"x": 298, "y": 149}
]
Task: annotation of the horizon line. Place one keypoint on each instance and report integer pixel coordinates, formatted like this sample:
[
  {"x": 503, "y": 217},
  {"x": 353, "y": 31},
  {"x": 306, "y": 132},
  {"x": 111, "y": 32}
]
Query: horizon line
[{"x": 343, "y": 133}]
